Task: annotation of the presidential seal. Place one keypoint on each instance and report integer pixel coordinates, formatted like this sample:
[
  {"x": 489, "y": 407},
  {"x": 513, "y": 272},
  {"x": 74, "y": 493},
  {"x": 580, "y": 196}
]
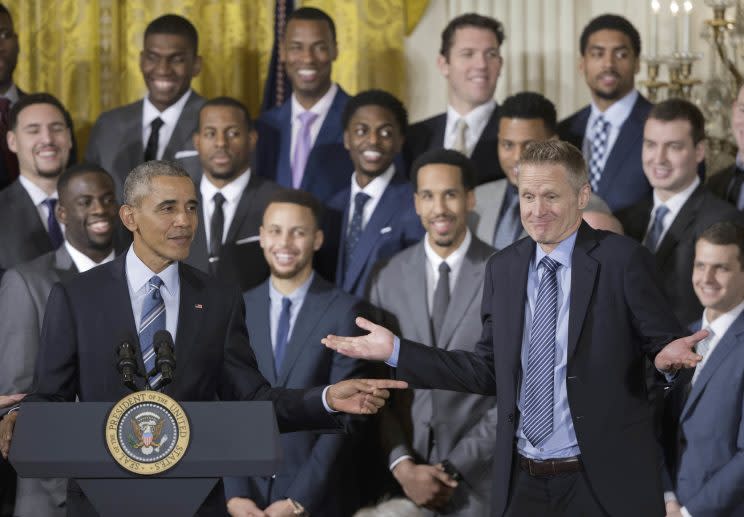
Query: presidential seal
[{"x": 147, "y": 432}]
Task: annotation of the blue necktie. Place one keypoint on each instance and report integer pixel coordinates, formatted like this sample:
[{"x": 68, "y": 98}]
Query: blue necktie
[
  {"x": 657, "y": 228},
  {"x": 598, "y": 150},
  {"x": 282, "y": 334},
  {"x": 538, "y": 399},
  {"x": 355, "y": 228},
  {"x": 53, "y": 228},
  {"x": 152, "y": 320}
]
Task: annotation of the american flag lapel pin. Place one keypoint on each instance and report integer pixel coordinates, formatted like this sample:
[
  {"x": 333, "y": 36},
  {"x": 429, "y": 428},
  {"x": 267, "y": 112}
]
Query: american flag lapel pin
[{"x": 198, "y": 306}]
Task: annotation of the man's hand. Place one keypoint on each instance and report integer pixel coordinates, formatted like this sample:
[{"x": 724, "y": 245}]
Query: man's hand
[
  {"x": 679, "y": 353},
  {"x": 426, "y": 485},
  {"x": 243, "y": 507},
  {"x": 361, "y": 396},
  {"x": 9, "y": 400},
  {"x": 7, "y": 424},
  {"x": 376, "y": 346},
  {"x": 673, "y": 509},
  {"x": 280, "y": 508}
]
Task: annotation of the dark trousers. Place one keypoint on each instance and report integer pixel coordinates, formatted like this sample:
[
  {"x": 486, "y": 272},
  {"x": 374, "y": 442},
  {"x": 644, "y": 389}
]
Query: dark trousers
[{"x": 559, "y": 495}]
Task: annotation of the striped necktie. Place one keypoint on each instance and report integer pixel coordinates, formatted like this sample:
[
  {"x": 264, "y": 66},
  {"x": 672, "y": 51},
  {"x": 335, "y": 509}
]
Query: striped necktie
[{"x": 152, "y": 320}]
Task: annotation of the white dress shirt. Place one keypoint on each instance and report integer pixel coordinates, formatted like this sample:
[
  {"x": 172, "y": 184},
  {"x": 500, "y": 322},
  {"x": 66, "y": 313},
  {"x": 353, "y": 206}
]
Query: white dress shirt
[
  {"x": 232, "y": 192},
  {"x": 82, "y": 261},
  {"x": 11, "y": 94},
  {"x": 374, "y": 189},
  {"x": 38, "y": 196},
  {"x": 433, "y": 260},
  {"x": 616, "y": 116},
  {"x": 169, "y": 116},
  {"x": 476, "y": 121},
  {"x": 674, "y": 204},
  {"x": 138, "y": 275},
  {"x": 321, "y": 108}
]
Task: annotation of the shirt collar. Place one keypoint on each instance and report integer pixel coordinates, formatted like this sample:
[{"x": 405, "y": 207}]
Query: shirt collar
[
  {"x": 138, "y": 274},
  {"x": 295, "y": 296},
  {"x": 320, "y": 108},
  {"x": 232, "y": 191},
  {"x": 562, "y": 253},
  {"x": 11, "y": 94},
  {"x": 454, "y": 259},
  {"x": 82, "y": 261},
  {"x": 477, "y": 118},
  {"x": 38, "y": 196},
  {"x": 722, "y": 323},
  {"x": 677, "y": 201},
  {"x": 375, "y": 188},
  {"x": 618, "y": 111},
  {"x": 169, "y": 115}
]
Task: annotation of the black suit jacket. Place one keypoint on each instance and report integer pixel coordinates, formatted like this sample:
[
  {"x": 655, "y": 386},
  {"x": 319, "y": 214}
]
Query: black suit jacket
[
  {"x": 241, "y": 258},
  {"x": 726, "y": 184},
  {"x": 429, "y": 134},
  {"x": 617, "y": 315},
  {"x": 622, "y": 182},
  {"x": 22, "y": 233},
  {"x": 676, "y": 252}
]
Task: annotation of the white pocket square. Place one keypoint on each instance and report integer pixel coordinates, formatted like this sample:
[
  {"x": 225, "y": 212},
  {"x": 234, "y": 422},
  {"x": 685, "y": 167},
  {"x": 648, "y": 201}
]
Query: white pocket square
[
  {"x": 185, "y": 154},
  {"x": 246, "y": 240},
  {"x": 387, "y": 229}
]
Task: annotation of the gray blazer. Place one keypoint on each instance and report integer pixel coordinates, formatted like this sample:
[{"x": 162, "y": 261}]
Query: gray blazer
[
  {"x": 22, "y": 233},
  {"x": 23, "y": 295},
  {"x": 448, "y": 425},
  {"x": 116, "y": 140}
]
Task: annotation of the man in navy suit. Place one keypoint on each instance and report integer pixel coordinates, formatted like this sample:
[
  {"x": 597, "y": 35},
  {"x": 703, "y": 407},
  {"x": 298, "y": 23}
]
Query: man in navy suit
[
  {"x": 705, "y": 417},
  {"x": 301, "y": 141},
  {"x": 609, "y": 131},
  {"x": 317, "y": 470},
  {"x": 374, "y": 217},
  {"x": 568, "y": 316},
  {"x": 205, "y": 318},
  {"x": 470, "y": 59}
]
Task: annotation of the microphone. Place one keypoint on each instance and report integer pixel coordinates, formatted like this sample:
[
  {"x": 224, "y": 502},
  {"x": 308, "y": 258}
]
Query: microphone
[
  {"x": 127, "y": 363},
  {"x": 165, "y": 360}
]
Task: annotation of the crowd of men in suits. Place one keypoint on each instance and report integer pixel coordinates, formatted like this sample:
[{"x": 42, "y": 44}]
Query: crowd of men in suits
[{"x": 331, "y": 206}]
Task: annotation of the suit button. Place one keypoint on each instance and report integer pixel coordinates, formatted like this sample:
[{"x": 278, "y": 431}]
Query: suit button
[{"x": 510, "y": 418}]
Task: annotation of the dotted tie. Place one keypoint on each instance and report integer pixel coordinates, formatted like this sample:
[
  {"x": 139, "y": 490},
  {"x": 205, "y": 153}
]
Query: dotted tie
[
  {"x": 601, "y": 131},
  {"x": 355, "y": 227}
]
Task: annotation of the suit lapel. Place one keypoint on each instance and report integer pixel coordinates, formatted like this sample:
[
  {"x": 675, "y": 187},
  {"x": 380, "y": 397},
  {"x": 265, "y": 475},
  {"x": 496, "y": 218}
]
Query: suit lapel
[
  {"x": 312, "y": 312},
  {"x": 29, "y": 220},
  {"x": 63, "y": 264},
  {"x": 469, "y": 286},
  {"x": 414, "y": 287},
  {"x": 284, "y": 168},
  {"x": 578, "y": 126},
  {"x": 438, "y": 127},
  {"x": 190, "y": 313},
  {"x": 583, "y": 274},
  {"x": 258, "y": 308},
  {"x": 516, "y": 282},
  {"x": 732, "y": 339},
  {"x": 131, "y": 152},
  {"x": 484, "y": 148},
  {"x": 245, "y": 203},
  {"x": 385, "y": 210},
  {"x": 120, "y": 305},
  {"x": 198, "y": 254},
  {"x": 184, "y": 130},
  {"x": 678, "y": 230}
]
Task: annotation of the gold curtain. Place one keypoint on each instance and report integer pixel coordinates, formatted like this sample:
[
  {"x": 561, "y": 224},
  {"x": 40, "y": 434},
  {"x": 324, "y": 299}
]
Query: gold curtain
[{"x": 87, "y": 53}]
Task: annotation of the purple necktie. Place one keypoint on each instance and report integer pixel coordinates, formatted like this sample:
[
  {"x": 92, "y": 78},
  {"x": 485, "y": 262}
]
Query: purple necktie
[
  {"x": 302, "y": 147},
  {"x": 53, "y": 228}
]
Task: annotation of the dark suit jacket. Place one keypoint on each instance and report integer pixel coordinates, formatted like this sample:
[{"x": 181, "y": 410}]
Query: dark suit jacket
[
  {"x": 704, "y": 431},
  {"x": 622, "y": 182},
  {"x": 726, "y": 184},
  {"x": 22, "y": 235},
  {"x": 7, "y": 177},
  {"x": 393, "y": 226},
  {"x": 676, "y": 252},
  {"x": 241, "y": 258},
  {"x": 317, "y": 469},
  {"x": 429, "y": 134},
  {"x": 617, "y": 316},
  {"x": 328, "y": 166},
  {"x": 115, "y": 141}
]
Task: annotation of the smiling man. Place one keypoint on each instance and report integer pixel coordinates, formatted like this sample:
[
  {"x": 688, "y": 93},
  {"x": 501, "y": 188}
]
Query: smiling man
[
  {"x": 670, "y": 220},
  {"x": 374, "y": 217},
  {"x": 88, "y": 209},
  {"x": 609, "y": 130},
  {"x": 41, "y": 138},
  {"x": 232, "y": 196},
  {"x": 305, "y": 133},
  {"x": 160, "y": 126},
  {"x": 470, "y": 60}
]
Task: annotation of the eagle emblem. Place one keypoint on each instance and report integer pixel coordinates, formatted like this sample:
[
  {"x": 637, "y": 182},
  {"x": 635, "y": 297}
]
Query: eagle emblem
[{"x": 147, "y": 433}]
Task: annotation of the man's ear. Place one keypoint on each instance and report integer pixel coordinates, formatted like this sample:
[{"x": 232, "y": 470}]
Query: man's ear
[
  {"x": 60, "y": 213},
  {"x": 126, "y": 214}
]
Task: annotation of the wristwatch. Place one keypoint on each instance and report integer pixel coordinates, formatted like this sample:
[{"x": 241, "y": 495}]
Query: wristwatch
[{"x": 297, "y": 508}]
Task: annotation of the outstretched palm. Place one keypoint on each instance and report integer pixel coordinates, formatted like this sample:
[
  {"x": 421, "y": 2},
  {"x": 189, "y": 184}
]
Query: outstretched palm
[{"x": 375, "y": 346}]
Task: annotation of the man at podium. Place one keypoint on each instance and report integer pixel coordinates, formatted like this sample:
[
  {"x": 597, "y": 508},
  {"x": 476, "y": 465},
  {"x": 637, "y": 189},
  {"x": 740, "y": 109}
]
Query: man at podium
[{"x": 148, "y": 289}]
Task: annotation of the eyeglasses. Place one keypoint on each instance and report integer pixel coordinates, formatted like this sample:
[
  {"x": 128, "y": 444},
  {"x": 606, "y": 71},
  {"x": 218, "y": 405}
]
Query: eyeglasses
[{"x": 6, "y": 34}]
